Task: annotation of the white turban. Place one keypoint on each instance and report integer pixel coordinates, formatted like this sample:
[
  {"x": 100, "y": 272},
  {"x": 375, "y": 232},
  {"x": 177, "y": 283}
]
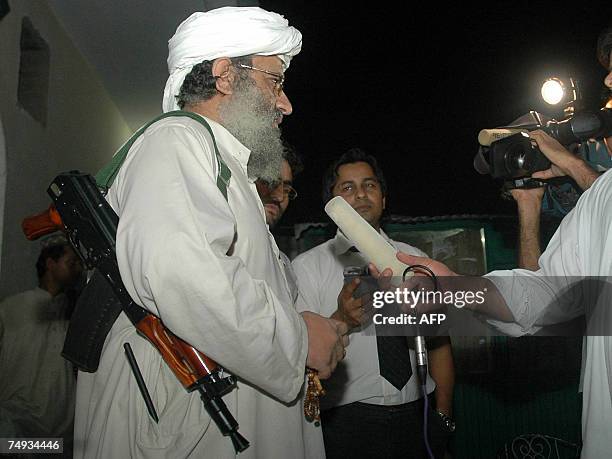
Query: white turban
[{"x": 226, "y": 32}]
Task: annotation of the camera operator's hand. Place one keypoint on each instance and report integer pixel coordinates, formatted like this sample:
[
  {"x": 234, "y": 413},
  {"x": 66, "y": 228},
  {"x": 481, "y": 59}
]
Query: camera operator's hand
[{"x": 563, "y": 162}]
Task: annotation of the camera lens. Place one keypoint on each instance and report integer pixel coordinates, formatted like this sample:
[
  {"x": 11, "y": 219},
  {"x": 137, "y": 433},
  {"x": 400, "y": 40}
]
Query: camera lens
[{"x": 516, "y": 159}]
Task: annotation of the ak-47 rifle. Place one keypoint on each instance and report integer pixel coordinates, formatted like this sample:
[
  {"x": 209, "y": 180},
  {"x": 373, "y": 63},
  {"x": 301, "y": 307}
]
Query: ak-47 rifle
[{"x": 91, "y": 226}]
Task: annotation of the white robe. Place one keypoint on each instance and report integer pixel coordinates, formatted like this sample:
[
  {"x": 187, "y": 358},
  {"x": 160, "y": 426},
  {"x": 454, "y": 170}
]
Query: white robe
[
  {"x": 175, "y": 232},
  {"x": 37, "y": 385},
  {"x": 581, "y": 247}
]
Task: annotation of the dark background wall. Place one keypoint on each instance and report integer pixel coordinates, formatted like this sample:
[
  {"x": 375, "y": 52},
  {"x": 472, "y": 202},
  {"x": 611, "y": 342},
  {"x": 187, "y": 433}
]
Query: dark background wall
[{"x": 415, "y": 83}]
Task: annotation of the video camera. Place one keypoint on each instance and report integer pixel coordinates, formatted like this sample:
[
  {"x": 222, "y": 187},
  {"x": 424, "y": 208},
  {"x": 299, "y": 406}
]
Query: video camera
[{"x": 509, "y": 153}]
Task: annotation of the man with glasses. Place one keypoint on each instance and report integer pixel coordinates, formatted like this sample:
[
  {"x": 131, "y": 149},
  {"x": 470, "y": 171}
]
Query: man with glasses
[
  {"x": 373, "y": 406},
  {"x": 275, "y": 198},
  {"x": 193, "y": 249}
]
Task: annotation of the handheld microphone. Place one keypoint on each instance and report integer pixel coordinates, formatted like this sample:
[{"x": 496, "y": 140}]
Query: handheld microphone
[
  {"x": 378, "y": 251},
  {"x": 367, "y": 240}
]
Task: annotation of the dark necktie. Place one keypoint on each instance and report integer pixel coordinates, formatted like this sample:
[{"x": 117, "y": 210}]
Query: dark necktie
[
  {"x": 394, "y": 359},
  {"x": 393, "y": 354}
]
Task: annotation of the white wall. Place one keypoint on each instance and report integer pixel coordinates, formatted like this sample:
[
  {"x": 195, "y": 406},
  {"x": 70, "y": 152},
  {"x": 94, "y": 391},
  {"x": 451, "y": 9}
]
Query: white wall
[{"x": 83, "y": 130}]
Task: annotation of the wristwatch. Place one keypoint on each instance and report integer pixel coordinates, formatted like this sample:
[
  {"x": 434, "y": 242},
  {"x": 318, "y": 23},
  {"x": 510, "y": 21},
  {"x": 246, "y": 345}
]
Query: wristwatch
[{"x": 447, "y": 421}]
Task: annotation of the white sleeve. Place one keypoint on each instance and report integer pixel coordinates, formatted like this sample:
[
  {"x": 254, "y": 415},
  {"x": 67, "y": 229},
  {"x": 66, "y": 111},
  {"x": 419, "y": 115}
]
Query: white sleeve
[
  {"x": 558, "y": 291},
  {"x": 547, "y": 296},
  {"x": 175, "y": 232},
  {"x": 308, "y": 298}
]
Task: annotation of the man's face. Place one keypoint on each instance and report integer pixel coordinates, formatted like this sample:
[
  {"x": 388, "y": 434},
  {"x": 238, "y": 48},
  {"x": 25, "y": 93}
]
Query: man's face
[
  {"x": 276, "y": 199},
  {"x": 67, "y": 270},
  {"x": 253, "y": 112},
  {"x": 358, "y": 185},
  {"x": 269, "y": 84}
]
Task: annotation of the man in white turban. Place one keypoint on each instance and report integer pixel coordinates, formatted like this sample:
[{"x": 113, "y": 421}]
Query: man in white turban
[{"x": 194, "y": 249}]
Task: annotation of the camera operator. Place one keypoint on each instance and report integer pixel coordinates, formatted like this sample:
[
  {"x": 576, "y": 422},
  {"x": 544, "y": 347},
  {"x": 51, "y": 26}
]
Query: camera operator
[
  {"x": 564, "y": 163},
  {"x": 573, "y": 280},
  {"x": 529, "y": 200}
]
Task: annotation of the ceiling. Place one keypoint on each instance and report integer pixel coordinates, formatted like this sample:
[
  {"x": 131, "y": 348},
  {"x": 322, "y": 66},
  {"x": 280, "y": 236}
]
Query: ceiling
[{"x": 126, "y": 43}]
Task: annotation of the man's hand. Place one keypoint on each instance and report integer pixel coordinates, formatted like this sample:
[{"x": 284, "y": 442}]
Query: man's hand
[
  {"x": 326, "y": 342},
  {"x": 350, "y": 310},
  {"x": 494, "y": 305},
  {"x": 563, "y": 162},
  {"x": 420, "y": 280}
]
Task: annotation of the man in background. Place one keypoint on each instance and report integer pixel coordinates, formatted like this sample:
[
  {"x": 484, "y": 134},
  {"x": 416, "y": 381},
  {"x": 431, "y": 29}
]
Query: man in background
[
  {"x": 373, "y": 406},
  {"x": 276, "y": 198},
  {"x": 37, "y": 386}
]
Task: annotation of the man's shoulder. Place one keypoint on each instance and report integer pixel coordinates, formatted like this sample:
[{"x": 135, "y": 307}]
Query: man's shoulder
[
  {"x": 169, "y": 135},
  {"x": 316, "y": 254},
  {"x": 24, "y": 299},
  {"x": 599, "y": 194},
  {"x": 183, "y": 123}
]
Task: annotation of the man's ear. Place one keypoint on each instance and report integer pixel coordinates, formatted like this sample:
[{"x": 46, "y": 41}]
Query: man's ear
[
  {"x": 384, "y": 202},
  {"x": 222, "y": 71}
]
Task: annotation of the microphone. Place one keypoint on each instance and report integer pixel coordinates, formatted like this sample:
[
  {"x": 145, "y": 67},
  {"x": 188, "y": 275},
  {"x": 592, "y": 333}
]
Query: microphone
[
  {"x": 367, "y": 240},
  {"x": 378, "y": 251}
]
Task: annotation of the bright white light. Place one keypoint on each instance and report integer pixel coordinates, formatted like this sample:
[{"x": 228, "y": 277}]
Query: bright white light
[{"x": 553, "y": 91}]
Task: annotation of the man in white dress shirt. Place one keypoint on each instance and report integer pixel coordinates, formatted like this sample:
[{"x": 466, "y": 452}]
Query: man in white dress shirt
[
  {"x": 364, "y": 414},
  {"x": 197, "y": 253}
]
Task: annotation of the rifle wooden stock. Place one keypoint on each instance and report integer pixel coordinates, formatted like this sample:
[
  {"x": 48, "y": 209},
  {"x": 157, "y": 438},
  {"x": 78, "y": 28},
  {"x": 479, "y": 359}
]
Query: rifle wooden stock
[
  {"x": 46, "y": 222},
  {"x": 186, "y": 362}
]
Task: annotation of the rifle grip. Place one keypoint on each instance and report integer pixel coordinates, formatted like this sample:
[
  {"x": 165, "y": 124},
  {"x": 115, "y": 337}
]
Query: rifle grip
[{"x": 187, "y": 363}]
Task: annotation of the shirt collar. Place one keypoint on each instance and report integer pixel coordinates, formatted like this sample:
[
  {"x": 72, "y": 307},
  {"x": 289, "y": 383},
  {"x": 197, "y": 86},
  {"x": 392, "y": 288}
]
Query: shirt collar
[{"x": 341, "y": 244}]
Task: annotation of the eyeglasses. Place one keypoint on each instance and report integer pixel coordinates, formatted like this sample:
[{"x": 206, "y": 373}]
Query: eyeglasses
[
  {"x": 289, "y": 192},
  {"x": 268, "y": 188},
  {"x": 279, "y": 79}
]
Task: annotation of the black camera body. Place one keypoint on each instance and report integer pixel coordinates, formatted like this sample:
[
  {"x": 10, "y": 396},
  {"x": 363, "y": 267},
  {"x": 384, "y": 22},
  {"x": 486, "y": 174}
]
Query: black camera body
[
  {"x": 514, "y": 157},
  {"x": 517, "y": 156}
]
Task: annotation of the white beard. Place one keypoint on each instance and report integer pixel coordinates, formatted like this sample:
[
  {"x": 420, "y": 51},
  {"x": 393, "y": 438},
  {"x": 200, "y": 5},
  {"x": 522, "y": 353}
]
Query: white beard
[{"x": 250, "y": 117}]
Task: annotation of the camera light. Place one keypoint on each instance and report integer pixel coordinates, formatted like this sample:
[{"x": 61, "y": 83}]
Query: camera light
[{"x": 553, "y": 91}]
